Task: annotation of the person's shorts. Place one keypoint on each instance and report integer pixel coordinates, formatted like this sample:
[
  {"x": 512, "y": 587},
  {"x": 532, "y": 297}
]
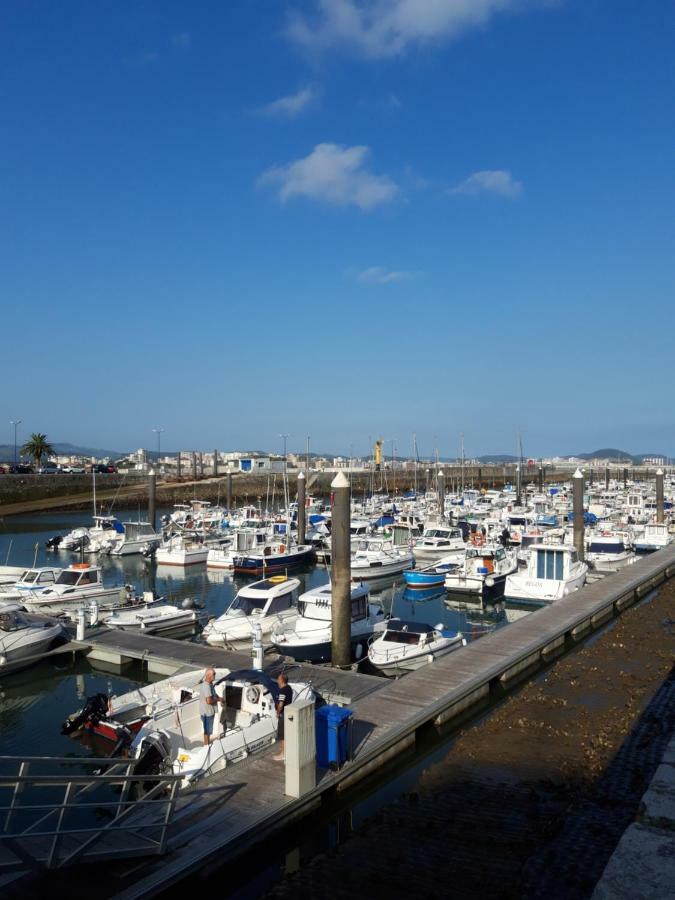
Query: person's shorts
[
  {"x": 280, "y": 727},
  {"x": 207, "y": 722}
]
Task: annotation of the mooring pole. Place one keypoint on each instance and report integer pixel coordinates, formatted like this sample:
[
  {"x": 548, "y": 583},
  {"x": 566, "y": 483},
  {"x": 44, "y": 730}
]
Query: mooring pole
[
  {"x": 152, "y": 495},
  {"x": 194, "y": 465},
  {"x": 215, "y": 462},
  {"x": 201, "y": 463},
  {"x": 659, "y": 495},
  {"x": 625, "y": 478},
  {"x": 302, "y": 510},
  {"x": 440, "y": 483},
  {"x": 541, "y": 479},
  {"x": 229, "y": 490},
  {"x": 519, "y": 485},
  {"x": 341, "y": 572},
  {"x": 178, "y": 465},
  {"x": 606, "y": 478},
  {"x": 578, "y": 509}
]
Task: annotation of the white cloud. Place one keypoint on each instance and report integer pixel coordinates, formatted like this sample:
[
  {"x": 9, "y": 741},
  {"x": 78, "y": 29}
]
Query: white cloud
[
  {"x": 380, "y": 275},
  {"x": 490, "y": 181},
  {"x": 293, "y": 104},
  {"x": 382, "y": 28},
  {"x": 332, "y": 174}
]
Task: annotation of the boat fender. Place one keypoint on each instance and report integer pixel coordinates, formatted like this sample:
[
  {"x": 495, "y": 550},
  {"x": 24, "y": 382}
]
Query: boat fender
[
  {"x": 359, "y": 651},
  {"x": 489, "y": 581}
]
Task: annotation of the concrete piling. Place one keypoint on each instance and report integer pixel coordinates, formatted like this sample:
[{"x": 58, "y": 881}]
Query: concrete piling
[
  {"x": 606, "y": 478},
  {"x": 152, "y": 498},
  {"x": 201, "y": 463},
  {"x": 540, "y": 475},
  {"x": 341, "y": 572},
  {"x": 215, "y": 462},
  {"x": 441, "y": 492},
  {"x": 625, "y": 478},
  {"x": 302, "y": 509},
  {"x": 229, "y": 491},
  {"x": 178, "y": 464},
  {"x": 519, "y": 485},
  {"x": 659, "y": 496},
  {"x": 194, "y": 465},
  {"x": 578, "y": 509}
]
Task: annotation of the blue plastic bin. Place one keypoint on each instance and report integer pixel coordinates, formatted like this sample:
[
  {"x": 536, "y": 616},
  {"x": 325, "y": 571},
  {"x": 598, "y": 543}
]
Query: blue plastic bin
[{"x": 332, "y": 735}]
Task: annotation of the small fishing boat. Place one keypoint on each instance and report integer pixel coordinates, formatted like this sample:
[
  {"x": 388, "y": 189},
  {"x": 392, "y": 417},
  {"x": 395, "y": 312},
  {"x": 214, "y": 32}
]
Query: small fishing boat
[
  {"x": 137, "y": 536},
  {"x": 30, "y": 582},
  {"x": 483, "y": 572},
  {"x": 309, "y": 637},
  {"x": 405, "y": 646},
  {"x": 24, "y": 639},
  {"x": 274, "y": 557},
  {"x": 79, "y": 582},
  {"x": 173, "y": 739},
  {"x": 553, "y": 571},
  {"x": 268, "y": 604},
  {"x": 423, "y": 578},
  {"x": 438, "y": 541},
  {"x": 376, "y": 558},
  {"x": 180, "y": 550},
  {"x": 151, "y": 619}
]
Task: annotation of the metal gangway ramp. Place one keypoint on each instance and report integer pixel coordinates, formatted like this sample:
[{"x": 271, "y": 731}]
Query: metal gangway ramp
[{"x": 56, "y": 811}]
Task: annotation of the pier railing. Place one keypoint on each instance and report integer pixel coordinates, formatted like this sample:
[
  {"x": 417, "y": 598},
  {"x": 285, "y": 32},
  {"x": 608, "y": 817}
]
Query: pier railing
[{"x": 51, "y": 817}]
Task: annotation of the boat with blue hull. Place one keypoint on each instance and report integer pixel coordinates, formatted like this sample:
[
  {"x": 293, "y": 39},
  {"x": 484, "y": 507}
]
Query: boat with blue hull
[
  {"x": 271, "y": 560},
  {"x": 421, "y": 579}
]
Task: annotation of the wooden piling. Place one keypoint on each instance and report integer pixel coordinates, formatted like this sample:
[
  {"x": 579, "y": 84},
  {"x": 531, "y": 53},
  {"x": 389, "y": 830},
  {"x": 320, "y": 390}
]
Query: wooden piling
[
  {"x": 341, "y": 572},
  {"x": 302, "y": 509},
  {"x": 578, "y": 509}
]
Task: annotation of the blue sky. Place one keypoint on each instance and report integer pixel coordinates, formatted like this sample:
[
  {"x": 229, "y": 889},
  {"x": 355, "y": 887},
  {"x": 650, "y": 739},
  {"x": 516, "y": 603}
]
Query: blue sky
[{"x": 338, "y": 218}]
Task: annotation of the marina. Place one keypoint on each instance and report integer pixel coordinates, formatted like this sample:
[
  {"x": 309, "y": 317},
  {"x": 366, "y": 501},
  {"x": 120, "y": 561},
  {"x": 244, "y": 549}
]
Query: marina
[{"x": 469, "y": 665}]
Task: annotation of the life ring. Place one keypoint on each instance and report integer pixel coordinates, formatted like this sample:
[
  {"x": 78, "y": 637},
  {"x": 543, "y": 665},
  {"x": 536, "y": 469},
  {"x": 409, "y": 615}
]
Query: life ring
[
  {"x": 253, "y": 694},
  {"x": 477, "y": 539},
  {"x": 80, "y": 566},
  {"x": 282, "y": 548}
]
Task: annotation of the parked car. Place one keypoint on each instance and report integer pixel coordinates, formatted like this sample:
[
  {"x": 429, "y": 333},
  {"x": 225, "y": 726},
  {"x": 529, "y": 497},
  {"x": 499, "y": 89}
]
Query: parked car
[
  {"x": 3, "y": 470},
  {"x": 104, "y": 469},
  {"x": 21, "y": 469},
  {"x": 73, "y": 470},
  {"x": 49, "y": 468}
]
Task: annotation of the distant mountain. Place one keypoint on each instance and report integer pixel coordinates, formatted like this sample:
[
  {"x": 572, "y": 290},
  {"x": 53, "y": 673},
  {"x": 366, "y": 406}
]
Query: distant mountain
[
  {"x": 610, "y": 453},
  {"x": 7, "y": 451}
]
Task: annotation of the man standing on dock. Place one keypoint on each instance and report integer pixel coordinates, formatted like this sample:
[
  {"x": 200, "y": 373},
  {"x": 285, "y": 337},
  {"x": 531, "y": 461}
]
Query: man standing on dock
[
  {"x": 208, "y": 701},
  {"x": 284, "y": 697}
]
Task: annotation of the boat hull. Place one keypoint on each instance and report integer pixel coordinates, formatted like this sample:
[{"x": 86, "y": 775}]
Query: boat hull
[{"x": 254, "y": 565}]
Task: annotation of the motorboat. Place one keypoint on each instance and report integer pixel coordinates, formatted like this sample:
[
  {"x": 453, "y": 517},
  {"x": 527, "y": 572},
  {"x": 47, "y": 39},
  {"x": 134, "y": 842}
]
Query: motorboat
[
  {"x": 118, "y": 718},
  {"x": 274, "y": 557},
  {"x": 173, "y": 739},
  {"x": 608, "y": 552},
  {"x": 151, "y": 619},
  {"x": 309, "y": 637},
  {"x": 103, "y": 535},
  {"x": 437, "y": 541},
  {"x": 267, "y": 604},
  {"x": 422, "y": 579},
  {"x": 654, "y": 537},
  {"x": 11, "y": 574},
  {"x": 405, "y": 646},
  {"x": 181, "y": 550},
  {"x": 379, "y": 558},
  {"x": 136, "y": 538},
  {"x": 30, "y": 581},
  {"x": 25, "y": 638},
  {"x": 79, "y": 582},
  {"x": 553, "y": 571},
  {"x": 483, "y": 572},
  {"x": 244, "y": 540}
]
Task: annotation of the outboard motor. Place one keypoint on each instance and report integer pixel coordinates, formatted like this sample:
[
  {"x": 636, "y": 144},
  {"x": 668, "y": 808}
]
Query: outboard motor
[
  {"x": 153, "y": 754},
  {"x": 95, "y": 709},
  {"x": 53, "y": 542}
]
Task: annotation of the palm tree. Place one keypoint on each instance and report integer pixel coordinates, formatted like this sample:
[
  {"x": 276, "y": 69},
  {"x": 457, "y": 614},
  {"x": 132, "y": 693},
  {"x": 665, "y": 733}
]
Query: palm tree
[{"x": 36, "y": 447}]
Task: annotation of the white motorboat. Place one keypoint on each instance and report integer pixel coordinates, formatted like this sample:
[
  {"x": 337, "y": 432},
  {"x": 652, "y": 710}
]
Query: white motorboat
[
  {"x": 31, "y": 581},
  {"x": 608, "y": 552},
  {"x": 180, "y": 550},
  {"x": 484, "y": 571},
  {"x": 437, "y": 541},
  {"x": 11, "y": 574},
  {"x": 136, "y": 538},
  {"x": 553, "y": 571},
  {"x": 654, "y": 537},
  {"x": 103, "y": 535},
  {"x": 405, "y": 646},
  {"x": 152, "y": 618},
  {"x": 267, "y": 604},
  {"x": 24, "y": 639},
  {"x": 379, "y": 558},
  {"x": 79, "y": 582},
  {"x": 309, "y": 637},
  {"x": 247, "y": 725}
]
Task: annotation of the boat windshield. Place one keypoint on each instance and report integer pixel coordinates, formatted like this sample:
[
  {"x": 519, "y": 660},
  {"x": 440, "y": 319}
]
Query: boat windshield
[
  {"x": 12, "y": 621},
  {"x": 70, "y": 577},
  {"x": 608, "y": 547},
  {"x": 30, "y": 577},
  {"x": 248, "y": 605},
  {"x": 401, "y": 637}
]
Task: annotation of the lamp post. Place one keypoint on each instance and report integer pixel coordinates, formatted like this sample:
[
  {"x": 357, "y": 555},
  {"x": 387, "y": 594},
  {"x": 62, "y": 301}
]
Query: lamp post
[
  {"x": 158, "y": 431},
  {"x": 16, "y": 425}
]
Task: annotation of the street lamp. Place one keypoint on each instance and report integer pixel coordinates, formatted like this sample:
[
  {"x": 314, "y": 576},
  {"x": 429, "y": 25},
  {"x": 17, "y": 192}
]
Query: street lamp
[
  {"x": 158, "y": 431},
  {"x": 16, "y": 425}
]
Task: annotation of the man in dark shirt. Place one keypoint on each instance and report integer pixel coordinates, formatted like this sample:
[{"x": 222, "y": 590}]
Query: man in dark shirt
[{"x": 284, "y": 698}]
